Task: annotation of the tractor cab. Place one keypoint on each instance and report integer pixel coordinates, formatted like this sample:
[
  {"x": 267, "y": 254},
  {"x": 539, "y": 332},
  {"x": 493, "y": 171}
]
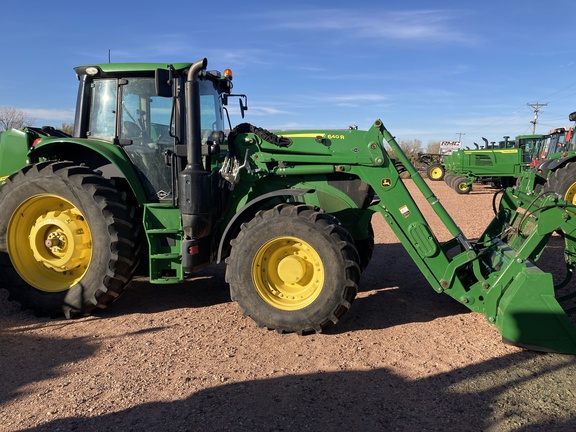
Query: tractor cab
[
  {"x": 529, "y": 144},
  {"x": 142, "y": 108}
]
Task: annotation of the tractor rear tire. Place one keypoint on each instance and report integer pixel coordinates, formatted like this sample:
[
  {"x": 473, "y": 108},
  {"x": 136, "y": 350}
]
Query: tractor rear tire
[
  {"x": 461, "y": 185},
  {"x": 563, "y": 182},
  {"x": 67, "y": 243},
  {"x": 435, "y": 172},
  {"x": 293, "y": 268}
]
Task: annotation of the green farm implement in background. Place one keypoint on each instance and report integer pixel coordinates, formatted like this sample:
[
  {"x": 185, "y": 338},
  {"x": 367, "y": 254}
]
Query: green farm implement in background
[{"x": 499, "y": 164}]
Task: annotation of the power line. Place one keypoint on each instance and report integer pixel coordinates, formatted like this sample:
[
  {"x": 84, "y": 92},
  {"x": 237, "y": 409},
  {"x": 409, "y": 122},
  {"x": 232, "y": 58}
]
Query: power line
[
  {"x": 562, "y": 95},
  {"x": 536, "y": 108}
]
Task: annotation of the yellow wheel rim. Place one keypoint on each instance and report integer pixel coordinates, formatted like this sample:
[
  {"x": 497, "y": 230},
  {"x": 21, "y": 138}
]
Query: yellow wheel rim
[
  {"x": 288, "y": 273},
  {"x": 463, "y": 186},
  {"x": 436, "y": 173},
  {"x": 49, "y": 243},
  {"x": 570, "y": 194}
]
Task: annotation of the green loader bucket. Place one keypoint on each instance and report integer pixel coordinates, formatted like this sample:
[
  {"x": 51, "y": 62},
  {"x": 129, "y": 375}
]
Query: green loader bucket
[
  {"x": 529, "y": 309},
  {"x": 530, "y": 316}
]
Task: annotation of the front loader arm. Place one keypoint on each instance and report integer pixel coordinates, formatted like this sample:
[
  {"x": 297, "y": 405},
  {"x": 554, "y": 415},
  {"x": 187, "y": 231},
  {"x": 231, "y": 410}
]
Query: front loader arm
[
  {"x": 496, "y": 275},
  {"x": 407, "y": 221}
]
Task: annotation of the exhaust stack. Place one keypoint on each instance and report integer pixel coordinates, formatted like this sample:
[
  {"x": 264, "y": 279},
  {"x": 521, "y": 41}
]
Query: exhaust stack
[{"x": 194, "y": 180}]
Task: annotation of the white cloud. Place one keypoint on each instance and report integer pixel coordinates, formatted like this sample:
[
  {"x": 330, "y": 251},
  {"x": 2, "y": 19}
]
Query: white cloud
[
  {"x": 359, "y": 98},
  {"x": 342, "y": 100},
  {"x": 418, "y": 25},
  {"x": 260, "y": 110},
  {"x": 177, "y": 47},
  {"x": 50, "y": 114},
  {"x": 296, "y": 103}
]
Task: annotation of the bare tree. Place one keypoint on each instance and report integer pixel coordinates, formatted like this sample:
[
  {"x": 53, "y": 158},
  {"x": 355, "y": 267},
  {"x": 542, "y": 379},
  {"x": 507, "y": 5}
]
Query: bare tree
[
  {"x": 411, "y": 148},
  {"x": 68, "y": 128},
  {"x": 14, "y": 118},
  {"x": 433, "y": 147}
]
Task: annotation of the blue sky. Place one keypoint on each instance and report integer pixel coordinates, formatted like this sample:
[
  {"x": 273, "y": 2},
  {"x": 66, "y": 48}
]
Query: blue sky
[{"x": 429, "y": 70}]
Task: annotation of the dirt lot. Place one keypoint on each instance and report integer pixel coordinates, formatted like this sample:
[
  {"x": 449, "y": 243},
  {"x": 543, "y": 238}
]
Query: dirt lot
[{"x": 178, "y": 358}]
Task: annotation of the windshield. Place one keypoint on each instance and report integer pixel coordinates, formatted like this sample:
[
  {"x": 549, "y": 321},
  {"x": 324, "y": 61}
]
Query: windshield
[
  {"x": 143, "y": 121},
  {"x": 210, "y": 110},
  {"x": 145, "y": 117},
  {"x": 570, "y": 140},
  {"x": 103, "y": 109},
  {"x": 529, "y": 148},
  {"x": 555, "y": 143}
]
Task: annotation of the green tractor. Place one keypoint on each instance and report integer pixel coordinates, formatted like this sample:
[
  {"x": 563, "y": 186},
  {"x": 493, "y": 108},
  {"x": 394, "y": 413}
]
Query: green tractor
[
  {"x": 553, "y": 167},
  {"x": 499, "y": 164},
  {"x": 150, "y": 176}
]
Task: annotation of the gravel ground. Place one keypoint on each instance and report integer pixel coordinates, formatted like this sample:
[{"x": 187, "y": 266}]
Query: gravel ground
[{"x": 181, "y": 358}]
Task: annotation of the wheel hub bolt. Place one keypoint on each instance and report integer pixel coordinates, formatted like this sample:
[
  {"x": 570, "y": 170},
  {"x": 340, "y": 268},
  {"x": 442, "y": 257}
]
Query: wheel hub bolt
[{"x": 53, "y": 242}]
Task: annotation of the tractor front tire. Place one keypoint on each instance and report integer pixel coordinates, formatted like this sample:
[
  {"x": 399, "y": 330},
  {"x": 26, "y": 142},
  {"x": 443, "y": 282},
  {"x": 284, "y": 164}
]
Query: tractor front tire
[
  {"x": 563, "y": 182},
  {"x": 67, "y": 243},
  {"x": 435, "y": 172},
  {"x": 293, "y": 268}
]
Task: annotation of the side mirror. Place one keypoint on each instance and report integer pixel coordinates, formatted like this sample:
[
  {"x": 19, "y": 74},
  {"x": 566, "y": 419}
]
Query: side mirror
[
  {"x": 242, "y": 99},
  {"x": 243, "y": 104},
  {"x": 163, "y": 81}
]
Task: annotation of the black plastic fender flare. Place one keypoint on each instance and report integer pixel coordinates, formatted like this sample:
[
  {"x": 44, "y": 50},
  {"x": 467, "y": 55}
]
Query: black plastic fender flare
[{"x": 554, "y": 164}]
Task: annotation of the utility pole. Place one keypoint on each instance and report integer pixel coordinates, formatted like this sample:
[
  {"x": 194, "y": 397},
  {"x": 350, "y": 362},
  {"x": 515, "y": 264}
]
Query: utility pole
[
  {"x": 536, "y": 108},
  {"x": 460, "y": 136}
]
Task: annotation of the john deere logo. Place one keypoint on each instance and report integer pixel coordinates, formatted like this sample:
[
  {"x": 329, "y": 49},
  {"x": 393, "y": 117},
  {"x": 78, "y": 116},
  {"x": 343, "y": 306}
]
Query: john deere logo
[{"x": 386, "y": 182}]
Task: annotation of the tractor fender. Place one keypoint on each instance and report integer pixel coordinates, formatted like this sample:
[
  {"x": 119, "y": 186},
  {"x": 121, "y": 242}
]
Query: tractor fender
[
  {"x": 111, "y": 160},
  {"x": 553, "y": 164},
  {"x": 249, "y": 210}
]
